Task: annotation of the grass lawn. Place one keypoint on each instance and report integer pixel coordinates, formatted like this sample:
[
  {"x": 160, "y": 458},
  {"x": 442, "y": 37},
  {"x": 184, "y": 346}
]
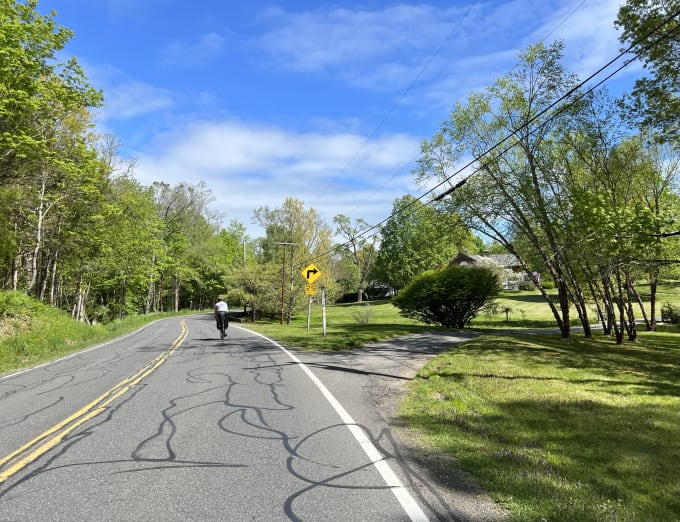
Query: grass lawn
[
  {"x": 347, "y": 326},
  {"x": 559, "y": 429}
]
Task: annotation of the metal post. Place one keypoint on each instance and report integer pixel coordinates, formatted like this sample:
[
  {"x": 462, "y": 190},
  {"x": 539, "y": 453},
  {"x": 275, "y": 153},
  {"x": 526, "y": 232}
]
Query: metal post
[
  {"x": 323, "y": 309},
  {"x": 283, "y": 280},
  {"x": 309, "y": 312}
]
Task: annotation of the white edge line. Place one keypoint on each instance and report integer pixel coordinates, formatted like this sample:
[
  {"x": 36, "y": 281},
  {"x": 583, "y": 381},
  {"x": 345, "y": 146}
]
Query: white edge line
[
  {"x": 404, "y": 497},
  {"x": 75, "y": 354}
]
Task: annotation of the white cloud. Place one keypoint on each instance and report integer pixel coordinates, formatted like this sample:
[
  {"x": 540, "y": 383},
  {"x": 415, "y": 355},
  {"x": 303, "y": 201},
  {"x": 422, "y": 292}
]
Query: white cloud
[
  {"x": 126, "y": 98},
  {"x": 248, "y": 165},
  {"x": 588, "y": 31},
  {"x": 451, "y": 51},
  {"x": 194, "y": 54}
]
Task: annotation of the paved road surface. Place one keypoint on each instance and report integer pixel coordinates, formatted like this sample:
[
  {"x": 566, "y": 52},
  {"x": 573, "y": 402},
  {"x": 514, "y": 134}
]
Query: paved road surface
[{"x": 170, "y": 423}]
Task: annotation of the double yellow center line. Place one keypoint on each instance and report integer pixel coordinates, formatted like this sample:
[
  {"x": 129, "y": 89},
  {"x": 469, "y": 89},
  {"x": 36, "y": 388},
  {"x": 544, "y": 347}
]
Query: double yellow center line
[{"x": 40, "y": 445}]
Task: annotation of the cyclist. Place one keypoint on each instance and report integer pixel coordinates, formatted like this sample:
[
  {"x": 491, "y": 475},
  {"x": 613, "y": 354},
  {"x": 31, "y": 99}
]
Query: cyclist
[{"x": 222, "y": 316}]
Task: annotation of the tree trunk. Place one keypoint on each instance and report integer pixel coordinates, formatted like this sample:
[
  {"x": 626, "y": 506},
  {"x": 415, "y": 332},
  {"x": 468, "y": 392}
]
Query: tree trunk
[
  {"x": 150, "y": 292},
  {"x": 653, "y": 288},
  {"x": 53, "y": 279},
  {"x": 563, "y": 295},
  {"x": 40, "y": 211},
  {"x": 177, "y": 283},
  {"x": 79, "y": 313}
]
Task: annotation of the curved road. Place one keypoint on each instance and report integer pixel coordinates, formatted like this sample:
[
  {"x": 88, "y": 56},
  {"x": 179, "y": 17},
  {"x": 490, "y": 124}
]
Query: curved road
[{"x": 171, "y": 423}]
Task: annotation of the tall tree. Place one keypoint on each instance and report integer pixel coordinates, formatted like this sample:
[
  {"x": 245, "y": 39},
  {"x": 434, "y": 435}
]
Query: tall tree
[
  {"x": 294, "y": 236},
  {"x": 652, "y": 28},
  {"x": 186, "y": 233},
  {"x": 513, "y": 190},
  {"x": 36, "y": 90},
  {"x": 359, "y": 248}
]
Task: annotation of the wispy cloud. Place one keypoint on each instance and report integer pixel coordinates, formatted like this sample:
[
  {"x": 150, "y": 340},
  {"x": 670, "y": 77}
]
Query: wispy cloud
[
  {"x": 387, "y": 49},
  {"x": 194, "y": 54},
  {"x": 248, "y": 165},
  {"x": 125, "y": 97}
]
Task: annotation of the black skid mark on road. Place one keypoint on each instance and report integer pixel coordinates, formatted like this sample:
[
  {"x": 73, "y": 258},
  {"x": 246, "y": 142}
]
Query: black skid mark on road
[
  {"x": 18, "y": 420},
  {"x": 169, "y": 424},
  {"x": 46, "y": 462}
]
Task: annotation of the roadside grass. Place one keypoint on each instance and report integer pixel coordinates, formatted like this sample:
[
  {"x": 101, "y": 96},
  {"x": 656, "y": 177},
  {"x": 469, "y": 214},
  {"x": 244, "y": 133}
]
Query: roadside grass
[
  {"x": 32, "y": 332},
  {"x": 347, "y": 326},
  {"x": 555, "y": 429}
]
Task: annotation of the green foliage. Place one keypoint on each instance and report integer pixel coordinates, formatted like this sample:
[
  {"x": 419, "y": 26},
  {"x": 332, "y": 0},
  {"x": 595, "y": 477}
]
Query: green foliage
[
  {"x": 295, "y": 236},
  {"x": 32, "y": 332},
  {"x": 450, "y": 297},
  {"x": 670, "y": 313},
  {"x": 362, "y": 314},
  {"x": 36, "y": 91},
  {"x": 357, "y": 250},
  {"x": 417, "y": 238},
  {"x": 654, "y": 101}
]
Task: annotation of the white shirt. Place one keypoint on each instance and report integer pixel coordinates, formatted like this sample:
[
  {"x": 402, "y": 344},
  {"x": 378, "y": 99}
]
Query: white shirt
[{"x": 221, "y": 306}]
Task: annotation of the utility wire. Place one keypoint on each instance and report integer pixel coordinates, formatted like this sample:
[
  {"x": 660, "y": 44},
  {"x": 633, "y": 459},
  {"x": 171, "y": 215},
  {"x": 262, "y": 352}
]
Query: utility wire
[
  {"x": 497, "y": 145},
  {"x": 562, "y": 22},
  {"x": 399, "y": 100}
]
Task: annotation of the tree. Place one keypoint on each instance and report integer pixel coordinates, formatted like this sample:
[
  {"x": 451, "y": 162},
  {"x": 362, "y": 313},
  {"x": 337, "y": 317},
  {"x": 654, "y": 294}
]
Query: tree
[
  {"x": 186, "y": 235},
  {"x": 36, "y": 91},
  {"x": 417, "y": 238},
  {"x": 360, "y": 249},
  {"x": 295, "y": 236},
  {"x": 651, "y": 28},
  {"x": 514, "y": 188},
  {"x": 568, "y": 190},
  {"x": 450, "y": 297}
]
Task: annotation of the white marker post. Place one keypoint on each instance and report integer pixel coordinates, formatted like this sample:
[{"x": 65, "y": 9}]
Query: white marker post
[{"x": 323, "y": 309}]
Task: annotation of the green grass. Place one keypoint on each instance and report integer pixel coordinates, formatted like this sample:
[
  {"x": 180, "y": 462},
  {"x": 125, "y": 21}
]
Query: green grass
[
  {"x": 528, "y": 309},
  {"x": 559, "y": 429},
  {"x": 347, "y": 326},
  {"x": 32, "y": 332}
]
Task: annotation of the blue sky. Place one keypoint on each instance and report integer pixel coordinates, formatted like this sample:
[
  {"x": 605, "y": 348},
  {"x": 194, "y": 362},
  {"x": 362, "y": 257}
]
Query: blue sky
[{"x": 324, "y": 102}]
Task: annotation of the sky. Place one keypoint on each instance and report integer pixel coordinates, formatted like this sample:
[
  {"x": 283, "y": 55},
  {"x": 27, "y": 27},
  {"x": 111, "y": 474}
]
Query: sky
[{"x": 326, "y": 102}]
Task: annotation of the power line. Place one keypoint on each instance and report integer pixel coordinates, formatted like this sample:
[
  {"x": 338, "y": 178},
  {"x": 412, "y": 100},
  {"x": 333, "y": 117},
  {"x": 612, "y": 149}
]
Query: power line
[
  {"x": 399, "y": 100},
  {"x": 562, "y": 22},
  {"x": 575, "y": 89}
]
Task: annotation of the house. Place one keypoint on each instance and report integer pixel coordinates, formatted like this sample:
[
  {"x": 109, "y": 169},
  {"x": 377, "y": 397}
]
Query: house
[{"x": 513, "y": 274}]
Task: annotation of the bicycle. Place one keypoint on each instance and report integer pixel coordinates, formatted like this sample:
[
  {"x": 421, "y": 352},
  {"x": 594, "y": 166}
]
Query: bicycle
[{"x": 222, "y": 324}]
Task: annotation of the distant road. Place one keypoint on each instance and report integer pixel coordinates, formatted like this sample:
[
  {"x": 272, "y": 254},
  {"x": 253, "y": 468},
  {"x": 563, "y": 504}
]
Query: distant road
[{"x": 169, "y": 423}]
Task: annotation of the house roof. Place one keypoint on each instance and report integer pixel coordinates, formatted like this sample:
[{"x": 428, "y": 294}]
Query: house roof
[{"x": 503, "y": 260}]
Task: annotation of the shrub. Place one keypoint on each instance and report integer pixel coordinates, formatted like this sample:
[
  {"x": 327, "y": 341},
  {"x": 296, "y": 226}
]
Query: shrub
[
  {"x": 670, "y": 313},
  {"x": 450, "y": 297},
  {"x": 362, "y": 314}
]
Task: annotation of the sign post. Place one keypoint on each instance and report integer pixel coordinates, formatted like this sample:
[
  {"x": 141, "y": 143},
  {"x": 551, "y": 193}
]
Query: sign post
[
  {"x": 311, "y": 274},
  {"x": 309, "y": 312}
]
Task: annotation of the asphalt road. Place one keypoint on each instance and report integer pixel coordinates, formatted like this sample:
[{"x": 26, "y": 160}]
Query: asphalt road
[{"x": 171, "y": 423}]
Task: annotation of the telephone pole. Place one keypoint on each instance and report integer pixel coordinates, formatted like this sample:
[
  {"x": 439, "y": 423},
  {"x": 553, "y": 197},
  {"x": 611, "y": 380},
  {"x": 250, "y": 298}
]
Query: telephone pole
[{"x": 283, "y": 271}]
